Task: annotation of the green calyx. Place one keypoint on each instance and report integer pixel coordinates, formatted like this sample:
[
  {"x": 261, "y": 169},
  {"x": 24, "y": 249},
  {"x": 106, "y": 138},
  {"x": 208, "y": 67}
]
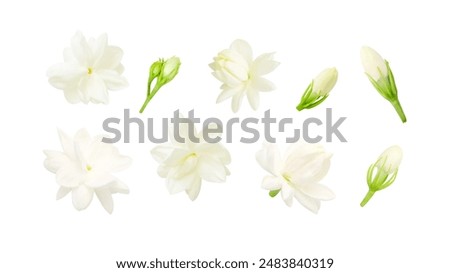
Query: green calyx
[
  {"x": 387, "y": 88},
  {"x": 377, "y": 182},
  {"x": 310, "y": 99}
]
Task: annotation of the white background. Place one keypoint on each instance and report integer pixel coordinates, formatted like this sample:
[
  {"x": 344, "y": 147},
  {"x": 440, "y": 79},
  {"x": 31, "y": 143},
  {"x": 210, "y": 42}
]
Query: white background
[{"x": 402, "y": 229}]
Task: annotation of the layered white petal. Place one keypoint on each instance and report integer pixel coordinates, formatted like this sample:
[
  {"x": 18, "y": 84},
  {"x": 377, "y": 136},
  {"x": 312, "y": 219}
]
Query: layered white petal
[
  {"x": 272, "y": 183},
  {"x": 264, "y": 64},
  {"x": 194, "y": 190},
  {"x": 317, "y": 191},
  {"x": 308, "y": 202},
  {"x": 62, "y": 192},
  {"x": 243, "y": 48},
  {"x": 262, "y": 85},
  {"x": 112, "y": 79},
  {"x": 211, "y": 169},
  {"x": 105, "y": 198},
  {"x": 82, "y": 197},
  {"x": 237, "y": 101},
  {"x": 253, "y": 98},
  {"x": 269, "y": 158}
]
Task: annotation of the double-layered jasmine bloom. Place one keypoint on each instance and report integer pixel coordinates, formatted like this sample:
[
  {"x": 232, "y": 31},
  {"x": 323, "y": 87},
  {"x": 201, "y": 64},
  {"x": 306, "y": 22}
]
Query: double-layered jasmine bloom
[
  {"x": 380, "y": 75},
  {"x": 90, "y": 68},
  {"x": 297, "y": 173},
  {"x": 318, "y": 89},
  {"x": 83, "y": 168},
  {"x": 189, "y": 159},
  {"x": 241, "y": 75},
  {"x": 383, "y": 172}
]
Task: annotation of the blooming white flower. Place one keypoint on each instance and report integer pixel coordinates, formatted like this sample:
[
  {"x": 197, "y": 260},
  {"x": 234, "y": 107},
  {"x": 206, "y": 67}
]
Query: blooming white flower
[
  {"x": 380, "y": 75},
  {"x": 383, "y": 172},
  {"x": 89, "y": 70},
  {"x": 84, "y": 167},
  {"x": 241, "y": 75},
  {"x": 296, "y": 174},
  {"x": 318, "y": 89},
  {"x": 185, "y": 165}
]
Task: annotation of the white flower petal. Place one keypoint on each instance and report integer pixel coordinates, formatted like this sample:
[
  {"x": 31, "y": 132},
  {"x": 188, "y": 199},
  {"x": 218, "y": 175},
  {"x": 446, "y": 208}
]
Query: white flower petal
[
  {"x": 253, "y": 98},
  {"x": 308, "y": 202},
  {"x": 111, "y": 58},
  {"x": 215, "y": 150},
  {"x": 194, "y": 190},
  {"x": 317, "y": 191},
  {"x": 118, "y": 187},
  {"x": 237, "y": 101},
  {"x": 161, "y": 152},
  {"x": 243, "y": 48},
  {"x": 374, "y": 65},
  {"x": 262, "y": 84},
  {"x": 72, "y": 95},
  {"x": 81, "y": 50},
  {"x": 98, "y": 47},
  {"x": 269, "y": 158},
  {"x": 211, "y": 169},
  {"x": 236, "y": 70},
  {"x": 112, "y": 79},
  {"x": 62, "y": 191},
  {"x": 264, "y": 64},
  {"x": 272, "y": 183},
  {"x": 229, "y": 92},
  {"x": 82, "y": 197},
  {"x": 68, "y": 55},
  {"x": 70, "y": 176},
  {"x": 105, "y": 197},
  {"x": 181, "y": 184},
  {"x": 94, "y": 88},
  {"x": 287, "y": 194},
  {"x": 229, "y": 55},
  {"x": 312, "y": 171},
  {"x": 55, "y": 160},
  {"x": 97, "y": 180},
  {"x": 66, "y": 144},
  {"x": 65, "y": 76}
]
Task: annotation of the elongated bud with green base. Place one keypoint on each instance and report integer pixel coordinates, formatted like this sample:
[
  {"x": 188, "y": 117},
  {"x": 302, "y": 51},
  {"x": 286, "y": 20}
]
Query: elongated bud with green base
[
  {"x": 383, "y": 172},
  {"x": 380, "y": 75},
  {"x": 318, "y": 89}
]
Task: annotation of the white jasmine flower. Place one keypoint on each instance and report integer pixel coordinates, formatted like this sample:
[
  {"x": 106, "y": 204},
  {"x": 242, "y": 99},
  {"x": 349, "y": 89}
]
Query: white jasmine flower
[
  {"x": 241, "y": 75},
  {"x": 84, "y": 167},
  {"x": 318, "y": 89},
  {"x": 89, "y": 70},
  {"x": 296, "y": 174},
  {"x": 185, "y": 165},
  {"x": 383, "y": 172},
  {"x": 380, "y": 75}
]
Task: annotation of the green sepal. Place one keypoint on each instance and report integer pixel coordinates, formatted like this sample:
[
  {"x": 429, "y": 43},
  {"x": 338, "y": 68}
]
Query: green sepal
[
  {"x": 310, "y": 100},
  {"x": 274, "y": 193}
]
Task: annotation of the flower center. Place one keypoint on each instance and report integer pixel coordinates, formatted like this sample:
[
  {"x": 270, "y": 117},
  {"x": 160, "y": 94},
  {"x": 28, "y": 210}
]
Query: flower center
[
  {"x": 88, "y": 167},
  {"x": 287, "y": 178},
  {"x": 89, "y": 70}
]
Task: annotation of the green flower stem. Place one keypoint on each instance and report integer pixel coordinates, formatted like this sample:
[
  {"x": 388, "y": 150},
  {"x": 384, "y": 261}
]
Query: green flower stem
[
  {"x": 399, "y": 109},
  {"x": 367, "y": 198},
  {"x": 149, "y": 97}
]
